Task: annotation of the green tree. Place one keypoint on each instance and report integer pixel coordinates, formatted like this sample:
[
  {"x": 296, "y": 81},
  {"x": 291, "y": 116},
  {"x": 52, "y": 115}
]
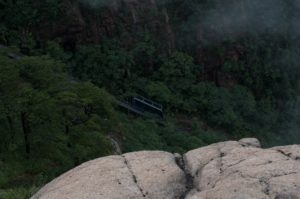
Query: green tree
[
  {"x": 105, "y": 66},
  {"x": 178, "y": 72}
]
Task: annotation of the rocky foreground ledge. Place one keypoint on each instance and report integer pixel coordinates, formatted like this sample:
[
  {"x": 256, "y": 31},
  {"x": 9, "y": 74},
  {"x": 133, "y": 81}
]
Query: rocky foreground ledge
[{"x": 226, "y": 170}]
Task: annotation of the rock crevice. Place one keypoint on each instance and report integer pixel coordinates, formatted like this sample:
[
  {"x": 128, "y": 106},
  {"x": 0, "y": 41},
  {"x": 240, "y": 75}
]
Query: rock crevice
[
  {"x": 189, "y": 183},
  {"x": 133, "y": 176}
]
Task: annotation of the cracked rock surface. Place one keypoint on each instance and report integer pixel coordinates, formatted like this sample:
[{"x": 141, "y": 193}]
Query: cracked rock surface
[{"x": 226, "y": 170}]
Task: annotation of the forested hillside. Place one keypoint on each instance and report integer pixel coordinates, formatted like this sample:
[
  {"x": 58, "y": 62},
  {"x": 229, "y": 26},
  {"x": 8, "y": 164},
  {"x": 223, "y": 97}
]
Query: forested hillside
[{"x": 222, "y": 70}]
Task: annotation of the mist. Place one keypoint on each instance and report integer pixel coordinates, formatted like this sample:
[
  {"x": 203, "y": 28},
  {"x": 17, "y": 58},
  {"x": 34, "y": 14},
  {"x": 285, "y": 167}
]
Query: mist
[
  {"x": 236, "y": 18},
  {"x": 95, "y": 4},
  {"x": 230, "y": 20}
]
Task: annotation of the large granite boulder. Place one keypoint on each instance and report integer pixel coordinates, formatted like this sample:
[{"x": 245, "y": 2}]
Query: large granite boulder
[
  {"x": 150, "y": 175},
  {"x": 227, "y": 170}
]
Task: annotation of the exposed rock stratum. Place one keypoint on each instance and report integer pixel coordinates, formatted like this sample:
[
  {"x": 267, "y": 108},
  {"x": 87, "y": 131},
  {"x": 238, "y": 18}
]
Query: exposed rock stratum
[{"x": 226, "y": 170}]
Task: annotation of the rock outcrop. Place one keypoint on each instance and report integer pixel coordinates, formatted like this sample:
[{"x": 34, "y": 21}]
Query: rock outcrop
[{"x": 227, "y": 170}]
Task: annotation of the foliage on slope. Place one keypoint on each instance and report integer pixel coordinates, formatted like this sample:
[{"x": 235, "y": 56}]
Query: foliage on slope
[
  {"x": 222, "y": 70},
  {"x": 48, "y": 121}
]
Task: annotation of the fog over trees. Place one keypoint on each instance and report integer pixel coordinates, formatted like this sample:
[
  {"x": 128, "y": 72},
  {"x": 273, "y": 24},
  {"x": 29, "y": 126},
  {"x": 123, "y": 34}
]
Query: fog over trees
[{"x": 221, "y": 69}]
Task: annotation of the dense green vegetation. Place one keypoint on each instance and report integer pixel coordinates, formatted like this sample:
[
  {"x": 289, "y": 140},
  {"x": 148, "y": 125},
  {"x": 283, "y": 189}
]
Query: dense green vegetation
[{"x": 222, "y": 69}]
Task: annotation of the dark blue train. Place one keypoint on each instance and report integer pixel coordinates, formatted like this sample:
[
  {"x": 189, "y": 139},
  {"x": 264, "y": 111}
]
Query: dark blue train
[
  {"x": 143, "y": 106},
  {"x": 146, "y": 105}
]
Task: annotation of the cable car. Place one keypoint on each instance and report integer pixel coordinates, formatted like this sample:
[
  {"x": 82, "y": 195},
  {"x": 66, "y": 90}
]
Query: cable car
[{"x": 146, "y": 105}]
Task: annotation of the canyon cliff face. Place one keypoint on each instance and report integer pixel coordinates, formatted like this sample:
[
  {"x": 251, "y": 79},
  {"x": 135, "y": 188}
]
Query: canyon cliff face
[
  {"x": 93, "y": 21},
  {"x": 227, "y": 170}
]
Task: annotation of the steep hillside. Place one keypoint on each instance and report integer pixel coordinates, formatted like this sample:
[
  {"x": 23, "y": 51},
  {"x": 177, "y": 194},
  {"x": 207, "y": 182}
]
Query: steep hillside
[
  {"x": 222, "y": 70},
  {"x": 233, "y": 65}
]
